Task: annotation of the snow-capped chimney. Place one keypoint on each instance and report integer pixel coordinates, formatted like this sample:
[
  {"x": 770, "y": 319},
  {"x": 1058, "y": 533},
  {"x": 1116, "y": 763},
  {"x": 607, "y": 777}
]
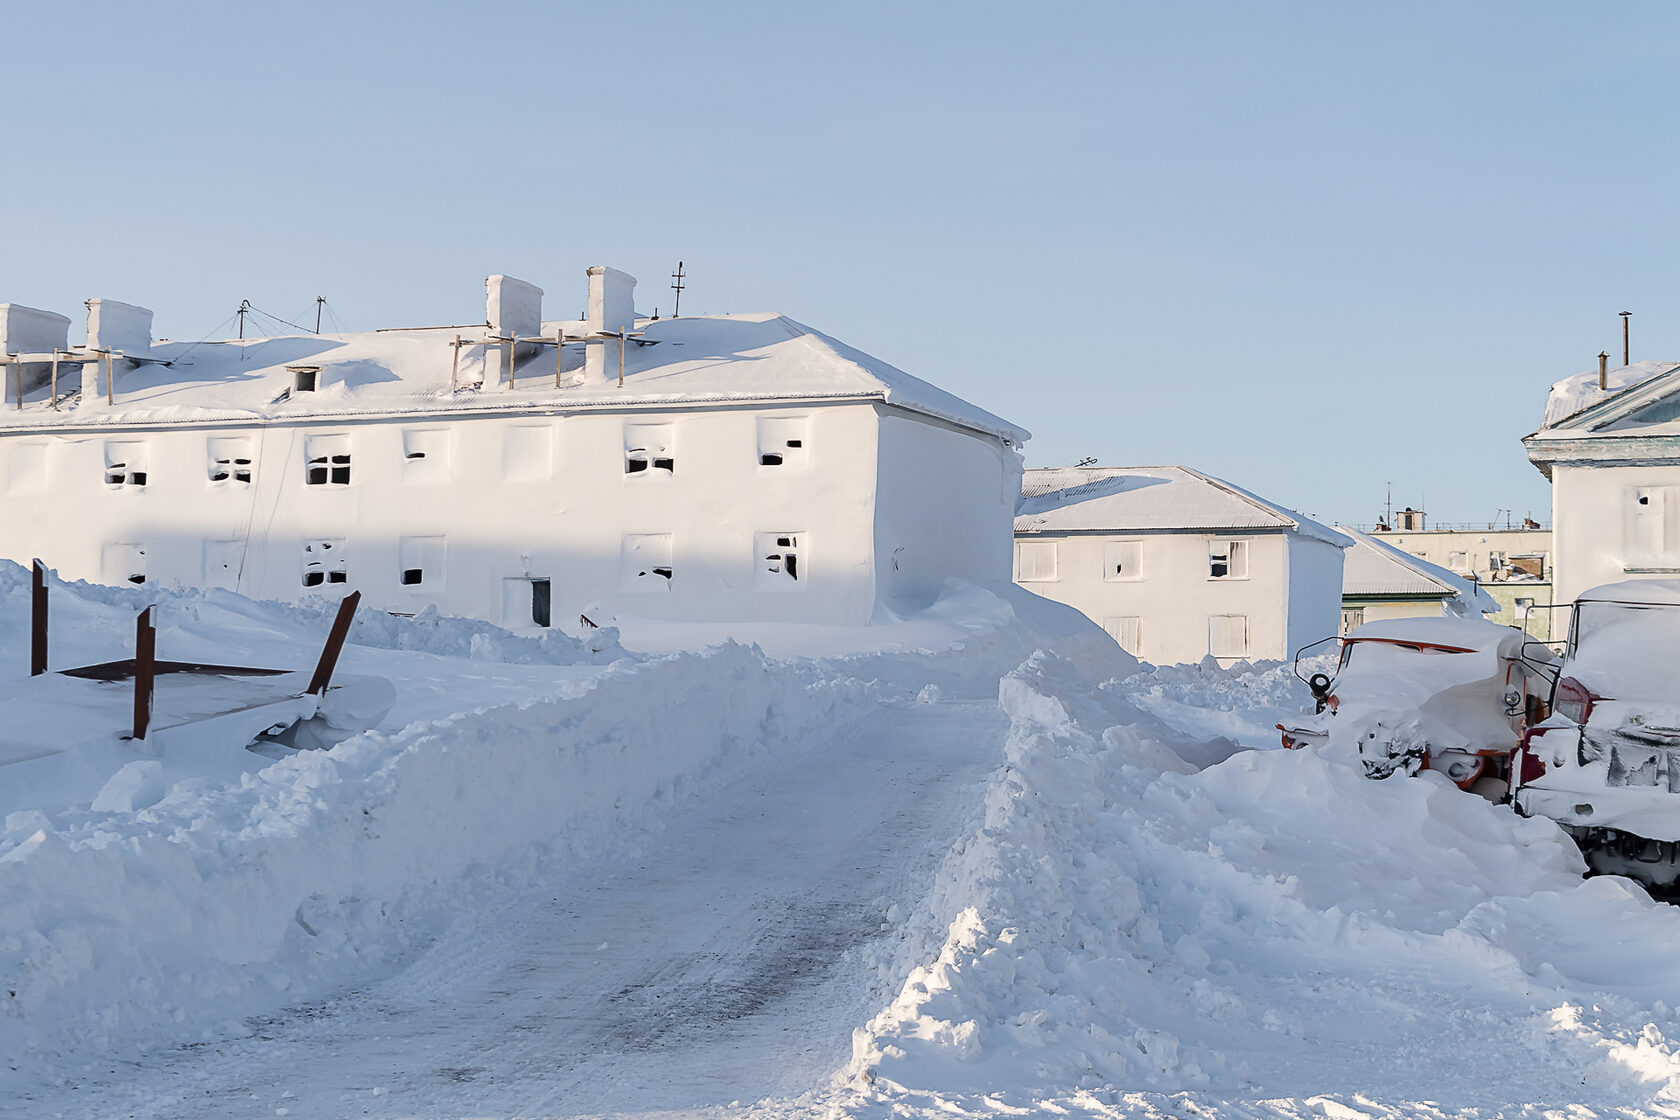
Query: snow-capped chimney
[
  {"x": 612, "y": 308},
  {"x": 513, "y": 308},
  {"x": 29, "y": 330},
  {"x": 1603, "y": 368},
  {"x": 118, "y": 326}
]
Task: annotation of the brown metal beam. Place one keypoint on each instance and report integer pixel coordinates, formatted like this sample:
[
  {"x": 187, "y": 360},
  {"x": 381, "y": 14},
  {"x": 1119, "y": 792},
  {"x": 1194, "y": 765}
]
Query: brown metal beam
[
  {"x": 38, "y": 622},
  {"x": 145, "y": 669},
  {"x": 335, "y": 645}
]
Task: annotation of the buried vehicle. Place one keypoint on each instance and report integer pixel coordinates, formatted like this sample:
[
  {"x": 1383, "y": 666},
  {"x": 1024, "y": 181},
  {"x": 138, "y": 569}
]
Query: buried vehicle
[
  {"x": 1606, "y": 765},
  {"x": 1447, "y": 694}
]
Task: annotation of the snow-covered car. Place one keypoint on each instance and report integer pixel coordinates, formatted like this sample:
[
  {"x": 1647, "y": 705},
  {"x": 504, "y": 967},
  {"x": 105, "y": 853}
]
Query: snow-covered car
[
  {"x": 1606, "y": 765},
  {"x": 1446, "y": 694}
]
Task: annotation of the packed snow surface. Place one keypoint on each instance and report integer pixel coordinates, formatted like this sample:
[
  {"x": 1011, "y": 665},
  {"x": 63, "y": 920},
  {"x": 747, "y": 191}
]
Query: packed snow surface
[{"x": 975, "y": 864}]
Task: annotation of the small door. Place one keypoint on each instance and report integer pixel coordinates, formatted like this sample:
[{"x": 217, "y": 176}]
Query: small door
[{"x": 527, "y": 602}]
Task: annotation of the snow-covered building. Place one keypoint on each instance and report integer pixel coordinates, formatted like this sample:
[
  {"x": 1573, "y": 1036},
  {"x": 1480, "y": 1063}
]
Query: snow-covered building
[
  {"x": 1379, "y": 581},
  {"x": 1177, "y": 565},
  {"x": 717, "y": 468},
  {"x": 1610, "y": 444}
]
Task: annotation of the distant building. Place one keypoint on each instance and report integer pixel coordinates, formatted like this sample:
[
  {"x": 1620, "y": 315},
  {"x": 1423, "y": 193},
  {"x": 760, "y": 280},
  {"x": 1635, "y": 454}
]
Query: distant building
[
  {"x": 1379, "y": 582},
  {"x": 1177, "y": 565},
  {"x": 718, "y": 468},
  {"x": 1513, "y": 566},
  {"x": 1612, "y": 454}
]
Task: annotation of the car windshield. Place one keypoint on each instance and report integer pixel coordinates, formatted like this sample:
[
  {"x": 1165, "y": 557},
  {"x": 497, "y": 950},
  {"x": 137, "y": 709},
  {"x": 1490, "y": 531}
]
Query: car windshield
[{"x": 1625, "y": 650}]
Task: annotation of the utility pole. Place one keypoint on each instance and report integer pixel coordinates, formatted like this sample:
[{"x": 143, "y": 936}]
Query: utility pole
[
  {"x": 1626, "y": 361},
  {"x": 244, "y": 306},
  {"x": 319, "y": 302},
  {"x": 677, "y": 286}
]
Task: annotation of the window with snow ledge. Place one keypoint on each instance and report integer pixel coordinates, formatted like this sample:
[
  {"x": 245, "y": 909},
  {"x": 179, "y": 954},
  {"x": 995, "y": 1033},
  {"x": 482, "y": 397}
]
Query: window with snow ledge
[
  {"x": 649, "y": 450},
  {"x": 1035, "y": 561},
  {"x": 125, "y": 465},
  {"x": 324, "y": 563},
  {"x": 1228, "y": 635},
  {"x": 26, "y": 468},
  {"x": 1127, "y": 631},
  {"x": 425, "y": 456},
  {"x": 645, "y": 562},
  {"x": 420, "y": 561},
  {"x": 1122, "y": 560},
  {"x": 124, "y": 563},
  {"x": 1227, "y": 560},
  {"x": 328, "y": 461},
  {"x": 528, "y": 453},
  {"x": 782, "y": 441},
  {"x": 782, "y": 561},
  {"x": 230, "y": 460},
  {"x": 222, "y": 562}
]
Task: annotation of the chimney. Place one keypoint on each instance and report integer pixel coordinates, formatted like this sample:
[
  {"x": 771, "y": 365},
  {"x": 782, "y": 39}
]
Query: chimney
[
  {"x": 29, "y": 330},
  {"x": 118, "y": 326},
  {"x": 513, "y": 308},
  {"x": 612, "y": 308},
  {"x": 1603, "y": 368}
]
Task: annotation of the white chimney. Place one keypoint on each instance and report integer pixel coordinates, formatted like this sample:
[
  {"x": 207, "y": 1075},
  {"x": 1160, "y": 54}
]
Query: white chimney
[
  {"x": 612, "y": 308},
  {"x": 513, "y": 308},
  {"x": 119, "y": 326},
  {"x": 29, "y": 330}
]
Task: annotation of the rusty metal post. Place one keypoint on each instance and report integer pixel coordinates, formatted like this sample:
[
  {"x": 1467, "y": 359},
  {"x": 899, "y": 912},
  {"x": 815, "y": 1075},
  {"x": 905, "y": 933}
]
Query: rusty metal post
[
  {"x": 621, "y": 357},
  {"x": 455, "y": 367},
  {"x": 110, "y": 381},
  {"x": 1625, "y": 316},
  {"x": 145, "y": 670},
  {"x": 511, "y": 343},
  {"x": 335, "y": 645},
  {"x": 38, "y": 622}
]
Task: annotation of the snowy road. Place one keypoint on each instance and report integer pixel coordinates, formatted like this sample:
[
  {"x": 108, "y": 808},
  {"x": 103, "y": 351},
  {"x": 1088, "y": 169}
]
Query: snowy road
[{"x": 711, "y": 962}]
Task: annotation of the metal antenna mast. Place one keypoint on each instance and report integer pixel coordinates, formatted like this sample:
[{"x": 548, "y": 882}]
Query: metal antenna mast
[
  {"x": 244, "y": 306},
  {"x": 319, "y": 301},
  {"x": 677, "y": 286}
]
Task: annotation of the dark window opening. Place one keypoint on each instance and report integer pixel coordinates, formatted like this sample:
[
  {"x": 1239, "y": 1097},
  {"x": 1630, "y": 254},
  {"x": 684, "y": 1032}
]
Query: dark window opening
[
  {"x": 116, "y": 476},
  {"x": 540, "y": 602},
  {"x": 305, "y": 382},
  {"x": 796, "y": 443},
  {"x": 137, "y": 577},
  {"x": 770, "y": 459},
  {"x": 635, "y": 464},
  {"x": 666, "y": 572},
  {"x": 338, "y": 577},
  {"x": 411, "y": 577},
  {"x": 313, "y": 579},
  {"x": 665, "y": 464},
  {"x": 413, "y": 455},
  {"x": 317, "y": 474},
  {"x": 334, "y": 469},
  {"x": 341, "y": 470},
  {"x": 784, "y": 561},
  {"x": 1644, "y": 499},
  {"x": 138, "y": 478}
]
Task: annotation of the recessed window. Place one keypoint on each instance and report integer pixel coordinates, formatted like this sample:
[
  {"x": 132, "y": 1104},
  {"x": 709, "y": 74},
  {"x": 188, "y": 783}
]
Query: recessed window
[
  {"x": 781, "y": 440},
  {"x": 1127, "y": 630},
  {"x": 328, "y": 461},
  {"x": 645, "y": 562},
  {"x": 649, "y": 449},
  {"x": 420, "y": 561},
  {"x": 425, "y": 457},
  {"x": 304, "y": 378},
  {"x": 1122, "y": 560},
  {"x": 1035, "y": 561},
  {"x": 1227, "y": 560},
  {"x": 527, "y": 601},
  {"x": 1228, "y": 635},
  {"x": 125, "y": 465},
  {"x": 781, "y": 560},
  {"x": 230, "y": 460},
  {"x": 124, "y": 563},
  {"x": 324, "y": 563}
]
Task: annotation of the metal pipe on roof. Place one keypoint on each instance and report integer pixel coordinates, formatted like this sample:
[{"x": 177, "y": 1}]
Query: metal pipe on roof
[
  {"x": 1626, "y": 315},
  {"x": 1603, "y": 368}
]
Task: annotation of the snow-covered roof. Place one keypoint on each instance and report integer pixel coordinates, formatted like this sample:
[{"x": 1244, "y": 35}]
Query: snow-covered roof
[
  {"x": 1373, "y": 568},
  {"x": 1134, "y": 499},
  {"x": 1574, "y": 395},
  {"x": 686, "y": 362},
  {"x": 1663, "y": 591}
]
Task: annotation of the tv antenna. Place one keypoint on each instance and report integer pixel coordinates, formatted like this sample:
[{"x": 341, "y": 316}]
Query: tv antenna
[
  {"x": 1088, "y": 461},
  {"x": 677, "y": 286}
]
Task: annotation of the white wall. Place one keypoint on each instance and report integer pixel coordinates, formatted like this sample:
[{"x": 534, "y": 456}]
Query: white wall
[
  {"x": 1602, "y": 533},
  {"x": 510, "y": 497},
  {"x": 945, "y": 506},
  {"x": 1315, "y": 591},
  {"x": 1173, "y": 598}
]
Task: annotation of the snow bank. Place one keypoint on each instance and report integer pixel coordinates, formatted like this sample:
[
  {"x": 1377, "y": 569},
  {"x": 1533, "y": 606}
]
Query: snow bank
[{"x": 1124, "y": 930}]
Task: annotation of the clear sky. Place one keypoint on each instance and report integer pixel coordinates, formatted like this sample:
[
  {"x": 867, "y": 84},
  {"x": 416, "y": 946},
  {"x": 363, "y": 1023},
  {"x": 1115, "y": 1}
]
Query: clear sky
[{"x": 1313, "y": 248}]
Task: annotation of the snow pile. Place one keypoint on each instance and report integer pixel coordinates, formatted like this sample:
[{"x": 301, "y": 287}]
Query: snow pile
[
  {"x": 1241, "y": 703},
  {"x": 1123, "y": 931},
  {"x": 1574, "y": 394}
]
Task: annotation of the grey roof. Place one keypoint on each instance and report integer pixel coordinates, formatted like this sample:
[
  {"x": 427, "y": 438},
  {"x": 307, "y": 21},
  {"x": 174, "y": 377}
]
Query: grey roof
[
  {"x": 1139, "y": 499},
  {"x": 1375, "y": 569}
]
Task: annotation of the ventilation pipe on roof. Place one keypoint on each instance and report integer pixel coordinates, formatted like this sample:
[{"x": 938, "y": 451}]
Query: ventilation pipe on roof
[
  {"x": 1603, "y": 369},
  {"x": 29, "y": 330},
  {"x": 1626, "y": 315},
  {"x": 612, "y": 309},
  {"x": 114, "y": 328}
]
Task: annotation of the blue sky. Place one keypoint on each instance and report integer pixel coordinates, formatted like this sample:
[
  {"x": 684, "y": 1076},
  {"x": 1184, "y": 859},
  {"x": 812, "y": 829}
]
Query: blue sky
[{"x": 1312, "y": 248}]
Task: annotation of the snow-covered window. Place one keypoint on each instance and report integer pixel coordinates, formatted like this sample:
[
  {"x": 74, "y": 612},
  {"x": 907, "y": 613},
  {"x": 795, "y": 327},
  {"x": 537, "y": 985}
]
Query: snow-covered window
[
  {"x": 26, "y": 469},
  {"x": 329, "y": 461},
  {"x": 124, "y": 563},
  {"x": 323, "y": 563},
  {"x": 528, "y": 453},
  {"x": 425, "y": 456},
  {"x": 781, "y": 560},
  {"x": 526, "y": 601},
  {"x": 1227, "y": 560},
  {"x": 1458, "y": 561},
  {"x": 305, "y": 378},
  {"x": 420, "y": 561},
  {"x": 649, "y": 449},
  {"x": 221, "y": 564},
  {"x": 230, "y": 460},
  {"x": 783, "y": 440},
  {"x": 1122, "y": 560},
  {"x": 1228, "y": 635},
  {"x": 125, "y": 465},
  {"x": 1352, "y": 618},
  {"x": 1127, "y": 630},
  {"x": 645, "y": 562},
  {"x": 1035, "y": 561}
]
